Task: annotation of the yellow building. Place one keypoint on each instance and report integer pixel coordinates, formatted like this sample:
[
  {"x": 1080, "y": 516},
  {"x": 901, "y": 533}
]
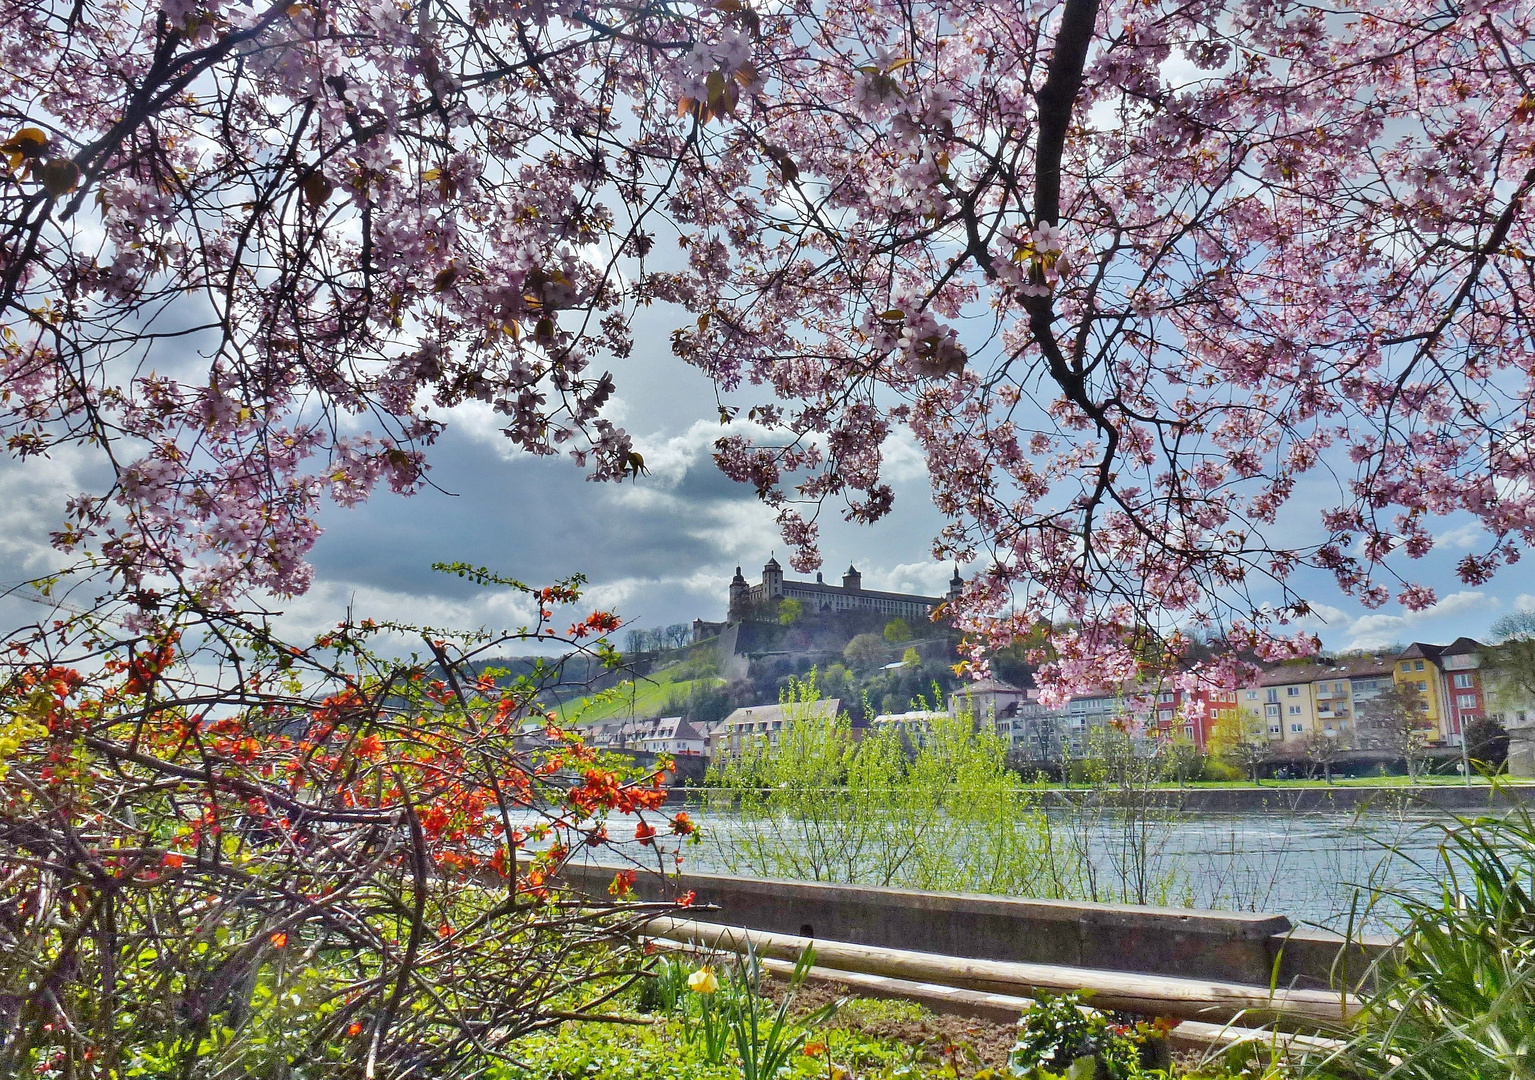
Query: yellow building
[
  {"x": 1283, "y": 704},
  {"x": 1418, "y": 669}
]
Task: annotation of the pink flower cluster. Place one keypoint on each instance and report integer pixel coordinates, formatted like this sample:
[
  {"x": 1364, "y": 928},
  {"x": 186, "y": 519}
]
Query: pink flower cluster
[
  {"x": 1149, "y": 281},
  {"x": 254, "y": 251},
  {"x": 1283, "y": 259}
]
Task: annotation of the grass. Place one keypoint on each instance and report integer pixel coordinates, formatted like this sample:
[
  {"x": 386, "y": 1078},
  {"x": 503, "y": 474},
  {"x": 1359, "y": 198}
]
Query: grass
[
  {"x": 664, "y": 1044},
  {"x": 1457, "y": 997},
  {"x": 634, "y": 698}
]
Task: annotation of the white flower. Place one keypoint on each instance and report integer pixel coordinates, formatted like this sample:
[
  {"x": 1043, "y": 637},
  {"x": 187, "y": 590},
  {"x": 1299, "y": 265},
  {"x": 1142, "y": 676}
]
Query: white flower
[{"x": 1047, "y": 239}]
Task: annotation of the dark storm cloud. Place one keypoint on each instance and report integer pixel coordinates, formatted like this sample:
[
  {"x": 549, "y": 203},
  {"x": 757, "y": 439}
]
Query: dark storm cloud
[{"x": 532, "y": 519}]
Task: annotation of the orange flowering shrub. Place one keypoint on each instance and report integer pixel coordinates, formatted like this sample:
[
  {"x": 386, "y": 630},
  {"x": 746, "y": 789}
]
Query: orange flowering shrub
[{"x": 224, "y": 855}]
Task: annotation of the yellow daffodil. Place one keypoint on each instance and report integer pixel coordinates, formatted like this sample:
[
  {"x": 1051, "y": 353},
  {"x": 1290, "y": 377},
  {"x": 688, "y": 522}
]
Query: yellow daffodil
[{"x": 703, "y": 981}]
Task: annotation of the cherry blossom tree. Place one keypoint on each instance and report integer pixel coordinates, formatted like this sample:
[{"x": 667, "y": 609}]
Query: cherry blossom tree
[
  {"x": 1180, "y": 299},
  {"x": 1149, "y": 282},
  {"x": 247, "y": 247}
]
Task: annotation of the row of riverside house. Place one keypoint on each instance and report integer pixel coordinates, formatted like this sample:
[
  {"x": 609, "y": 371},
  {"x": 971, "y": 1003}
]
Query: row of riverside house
[{"x": 1289, "y": 705}]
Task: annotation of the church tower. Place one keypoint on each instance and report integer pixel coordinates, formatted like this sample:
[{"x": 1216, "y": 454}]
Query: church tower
[
  {"x": 852, "y": 580},
  {"x": 956, "y": 585}
]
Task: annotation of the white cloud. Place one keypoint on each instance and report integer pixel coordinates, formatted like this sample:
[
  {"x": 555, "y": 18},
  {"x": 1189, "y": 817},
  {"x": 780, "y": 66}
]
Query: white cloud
[
  {"x": 923, "y": 578},
  {"x": 1325, "y": 616},
  {"x": 1466, "y": 600},
  {"x": 1470, "y": 535},
  {"x": 1374, "y": 631},
  {"x": 904, "y": 460}
]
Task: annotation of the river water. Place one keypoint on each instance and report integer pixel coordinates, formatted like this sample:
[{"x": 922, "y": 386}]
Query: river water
[{"x": 1331, "y": 870}]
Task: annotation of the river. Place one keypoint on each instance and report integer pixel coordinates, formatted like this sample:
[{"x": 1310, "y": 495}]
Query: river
[{"x": 1328, "y": 870}]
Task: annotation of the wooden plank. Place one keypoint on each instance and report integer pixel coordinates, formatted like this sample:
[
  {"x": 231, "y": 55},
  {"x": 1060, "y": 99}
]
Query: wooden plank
[{"x": 1151, "y": 995}]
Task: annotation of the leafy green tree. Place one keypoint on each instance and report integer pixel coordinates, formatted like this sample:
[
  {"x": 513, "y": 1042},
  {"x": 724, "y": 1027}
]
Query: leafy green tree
[
  {"x": 1243, "y": 740},
  {"x": 925, "y": 807},
  {"x": 911, "y": 658},
  {"x": 1509, "y": 662},
  {"x": 789, "y": 611},
  {"x": 1487, "y": 743},
  {"x": 897, "y": 630}
]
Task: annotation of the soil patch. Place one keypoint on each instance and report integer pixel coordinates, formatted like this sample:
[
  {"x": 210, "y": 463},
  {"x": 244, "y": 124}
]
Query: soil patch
[{"x": 969, "y": 1044}]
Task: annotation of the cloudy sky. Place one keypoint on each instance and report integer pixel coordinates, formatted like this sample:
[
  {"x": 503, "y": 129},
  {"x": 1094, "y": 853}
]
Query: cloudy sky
[{"x": 658, "y": 550}]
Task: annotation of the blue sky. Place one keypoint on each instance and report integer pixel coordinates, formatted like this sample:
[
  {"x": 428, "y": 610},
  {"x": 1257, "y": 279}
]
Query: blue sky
[{"x": 660, "y": 549}]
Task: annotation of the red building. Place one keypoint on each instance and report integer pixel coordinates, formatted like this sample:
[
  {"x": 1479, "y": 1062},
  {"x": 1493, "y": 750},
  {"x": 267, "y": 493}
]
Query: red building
[{"x": 1465, "y": 696}]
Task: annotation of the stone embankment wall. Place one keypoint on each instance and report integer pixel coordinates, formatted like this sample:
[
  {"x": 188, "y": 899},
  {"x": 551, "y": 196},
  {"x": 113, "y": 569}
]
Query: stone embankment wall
[{"x": 1228, "y": 946}]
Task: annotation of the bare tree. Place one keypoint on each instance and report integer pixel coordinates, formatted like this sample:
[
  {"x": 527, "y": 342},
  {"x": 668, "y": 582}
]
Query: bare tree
[
  {"x": 1394, "y": 721},
  {"x": 1324, "y": 750},
  {"x": 1508, "y": 664}
]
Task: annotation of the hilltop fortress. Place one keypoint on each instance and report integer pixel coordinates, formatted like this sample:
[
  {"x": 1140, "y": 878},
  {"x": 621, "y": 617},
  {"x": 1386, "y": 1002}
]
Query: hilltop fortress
[{"x": 747, "y": 601}]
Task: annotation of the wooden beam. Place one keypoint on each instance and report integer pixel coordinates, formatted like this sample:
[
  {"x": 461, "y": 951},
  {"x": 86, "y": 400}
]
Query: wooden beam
[{"x": 1150, "y": 995}]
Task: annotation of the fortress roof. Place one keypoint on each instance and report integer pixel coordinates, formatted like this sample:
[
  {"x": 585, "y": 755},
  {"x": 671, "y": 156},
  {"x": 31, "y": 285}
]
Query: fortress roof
[{"x": 838, "y": 590}]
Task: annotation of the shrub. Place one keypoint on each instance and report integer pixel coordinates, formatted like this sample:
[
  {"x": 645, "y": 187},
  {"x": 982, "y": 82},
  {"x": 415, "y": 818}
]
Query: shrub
[
  {"x": 227, "y": 856},
  {"x": 1218, "y": 770},
  {"x": 1061, "y": 1037},
  {"x": 1456, "y": 999}
]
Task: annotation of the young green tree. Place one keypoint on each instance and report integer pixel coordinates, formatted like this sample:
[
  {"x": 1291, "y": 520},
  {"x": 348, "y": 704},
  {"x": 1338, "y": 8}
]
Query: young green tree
[
  {"x": 1508, "y": 663},
  {"x": 1242, "y": 738}
]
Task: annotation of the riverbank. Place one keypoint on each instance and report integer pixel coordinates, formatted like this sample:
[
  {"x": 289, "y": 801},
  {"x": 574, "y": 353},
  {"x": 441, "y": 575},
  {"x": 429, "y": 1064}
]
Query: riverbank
[{"x": 1311, "y": 799}]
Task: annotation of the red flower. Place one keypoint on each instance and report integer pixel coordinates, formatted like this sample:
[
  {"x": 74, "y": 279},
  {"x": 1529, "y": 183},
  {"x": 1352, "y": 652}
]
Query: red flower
[
  {"x": 682, "y": 825},
  {"x": 279, "y": 940},
  {"x": 644, "y": 833},
  {"x": 623, "y": 884},
  {"x": 687, "y": 898}
]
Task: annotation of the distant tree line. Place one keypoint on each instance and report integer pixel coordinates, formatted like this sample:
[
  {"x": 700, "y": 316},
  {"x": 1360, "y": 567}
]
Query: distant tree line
[{"x": 657, "y": 639}]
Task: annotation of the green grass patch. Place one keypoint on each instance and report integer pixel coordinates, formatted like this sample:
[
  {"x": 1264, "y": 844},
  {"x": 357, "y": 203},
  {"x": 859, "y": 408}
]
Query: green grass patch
[{"x": 647, "y": 697}]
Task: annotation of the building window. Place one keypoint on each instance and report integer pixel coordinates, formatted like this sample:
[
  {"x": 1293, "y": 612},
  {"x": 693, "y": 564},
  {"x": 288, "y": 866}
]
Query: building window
[
  {"x": 1292, "y": 691},
  {"x": 1294, "y": 710},
  {"x": 1271, "y": 710},
  {"x": 1422, "y": 687},
  {"x": 1418, "y": 666},
  {"x": 1297, "y": 728},
  {"x": 1406, "y": 666},
  {"x": 1274, "y": 729},
  {"x": 1273, "y": 695},
  {"x": 1463, "y": 682},
  {"x": 1252, "y": 695},
  {"x": 1466, "y": 701}
]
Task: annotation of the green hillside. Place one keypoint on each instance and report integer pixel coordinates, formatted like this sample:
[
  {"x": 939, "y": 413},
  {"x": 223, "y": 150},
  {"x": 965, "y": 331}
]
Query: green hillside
[{"x": 661, "y": 693}]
